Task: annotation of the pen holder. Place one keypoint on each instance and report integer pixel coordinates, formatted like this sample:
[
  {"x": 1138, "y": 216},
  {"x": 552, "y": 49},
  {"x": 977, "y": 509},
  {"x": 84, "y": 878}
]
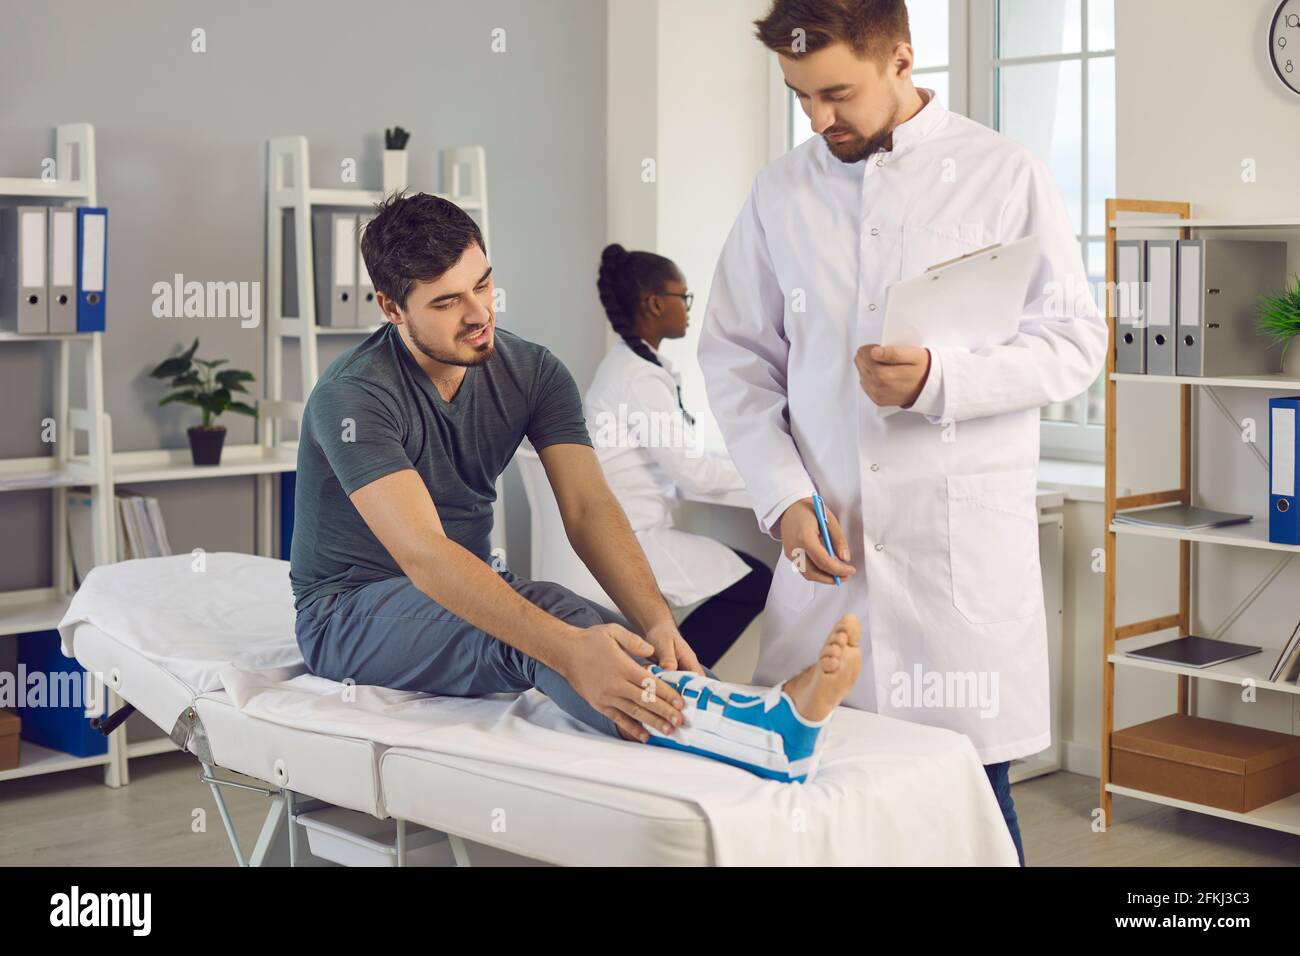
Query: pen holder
[{"x": 394, "y": 170}]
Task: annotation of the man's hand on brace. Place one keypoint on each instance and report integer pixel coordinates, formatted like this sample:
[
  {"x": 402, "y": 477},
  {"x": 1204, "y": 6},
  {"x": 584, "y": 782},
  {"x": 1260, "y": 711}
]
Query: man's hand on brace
[
  {"x": 672, "y": 653},
  {"x": 598, "y": 666}
]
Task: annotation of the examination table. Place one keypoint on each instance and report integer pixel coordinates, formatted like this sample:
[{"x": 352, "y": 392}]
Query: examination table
[{"x": 203, "y": 645}]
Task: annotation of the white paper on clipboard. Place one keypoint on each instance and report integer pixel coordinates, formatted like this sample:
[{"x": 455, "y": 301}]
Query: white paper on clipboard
[{"x": 974, "y": 301}]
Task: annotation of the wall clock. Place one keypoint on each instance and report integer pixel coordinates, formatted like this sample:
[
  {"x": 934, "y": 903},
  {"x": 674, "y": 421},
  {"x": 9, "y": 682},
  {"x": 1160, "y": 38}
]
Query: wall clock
[{"x": 1284, "y": 44}]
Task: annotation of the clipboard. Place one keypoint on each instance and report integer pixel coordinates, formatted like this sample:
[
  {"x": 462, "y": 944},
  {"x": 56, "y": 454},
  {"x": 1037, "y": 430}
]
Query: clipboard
[{"x": 973, "y": 301}]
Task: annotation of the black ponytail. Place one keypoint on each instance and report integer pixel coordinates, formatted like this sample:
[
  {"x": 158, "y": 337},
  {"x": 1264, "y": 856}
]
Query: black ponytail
[{"x": 623, "y": 279}]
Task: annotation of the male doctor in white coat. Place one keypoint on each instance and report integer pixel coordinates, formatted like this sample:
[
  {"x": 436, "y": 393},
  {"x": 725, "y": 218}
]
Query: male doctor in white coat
[{"x": 932, "y": 510}]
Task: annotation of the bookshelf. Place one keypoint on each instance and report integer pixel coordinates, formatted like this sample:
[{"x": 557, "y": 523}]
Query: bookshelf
[
  {"x": 289, "y": 192},
  {"x": 1283, "y": 815},
  {"x": 290, "y": 200},
  {"x": 272, "y": 454},
  {"x": 41, "y": 609},
  {"x": 102, "y": 469}
]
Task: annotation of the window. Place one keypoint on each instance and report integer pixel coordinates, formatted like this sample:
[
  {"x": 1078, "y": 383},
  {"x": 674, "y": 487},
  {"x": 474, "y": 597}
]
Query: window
[{"x": 1043, "y": 73}]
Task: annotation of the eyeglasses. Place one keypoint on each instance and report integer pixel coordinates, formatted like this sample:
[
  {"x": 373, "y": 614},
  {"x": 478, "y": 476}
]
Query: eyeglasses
[{"x": 687, "y": 297}]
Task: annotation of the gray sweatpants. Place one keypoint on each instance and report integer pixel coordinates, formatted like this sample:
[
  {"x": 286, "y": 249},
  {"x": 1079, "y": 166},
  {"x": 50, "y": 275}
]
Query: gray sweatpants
[{"x": 392, "y": 634}]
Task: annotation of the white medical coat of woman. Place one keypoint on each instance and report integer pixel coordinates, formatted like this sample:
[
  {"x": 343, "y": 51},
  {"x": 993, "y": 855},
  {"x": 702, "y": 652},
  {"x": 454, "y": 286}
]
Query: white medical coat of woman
[
  {"x": 937, "y": 502},
  {"x": 648, "y": 451}
]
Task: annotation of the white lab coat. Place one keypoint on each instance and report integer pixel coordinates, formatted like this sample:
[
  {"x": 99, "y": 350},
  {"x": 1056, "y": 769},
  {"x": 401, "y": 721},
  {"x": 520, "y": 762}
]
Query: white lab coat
[
  {"x": 648, "y": 451},
  {"x": 938, "y": 503}
]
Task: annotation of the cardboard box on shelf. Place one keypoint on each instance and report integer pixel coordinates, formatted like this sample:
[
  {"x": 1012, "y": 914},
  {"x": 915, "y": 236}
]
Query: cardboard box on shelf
[{"x": 1204, "y": 761}]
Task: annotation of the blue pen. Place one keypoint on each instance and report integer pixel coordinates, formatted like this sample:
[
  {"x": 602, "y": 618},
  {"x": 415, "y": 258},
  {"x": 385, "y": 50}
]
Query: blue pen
[{"x": 819, "y": 507}]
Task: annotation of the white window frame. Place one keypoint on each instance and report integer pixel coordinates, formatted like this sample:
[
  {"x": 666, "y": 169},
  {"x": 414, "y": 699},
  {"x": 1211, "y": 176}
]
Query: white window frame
[{"x": 1069, "y": 440}]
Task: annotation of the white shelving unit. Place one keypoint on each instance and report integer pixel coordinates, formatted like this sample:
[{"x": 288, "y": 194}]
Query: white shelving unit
[
  {"x": 1283, "y": 814},
  {"x": 41, "y": 609},
  {"x": 1251, "y": 535},
  {"x": 102, "y": 469},
  {"x": 1276, "y": 382},
  {"x": 1256, "y": 667},
  {"x": 263, "y": 459},
  {"x": 271, "y": 454},
  {"x": 288, "y": 188},
  {"x": 1155, "y": 222}
]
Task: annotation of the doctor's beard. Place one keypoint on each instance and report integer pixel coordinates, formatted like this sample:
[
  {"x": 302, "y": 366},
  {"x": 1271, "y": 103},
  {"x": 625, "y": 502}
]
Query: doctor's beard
[{"x": 861, "y": 147}]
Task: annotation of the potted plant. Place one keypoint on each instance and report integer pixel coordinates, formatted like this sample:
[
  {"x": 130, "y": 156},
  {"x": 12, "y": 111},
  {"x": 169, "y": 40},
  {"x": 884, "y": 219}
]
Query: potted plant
[
  {"x": 197, "y": 382},
  {"x": 395, "y": 159},
  {"x": 1278, "y": 316}
]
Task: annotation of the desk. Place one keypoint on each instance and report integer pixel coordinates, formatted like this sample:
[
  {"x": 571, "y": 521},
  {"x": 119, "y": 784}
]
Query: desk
[
  {"x": 726, "y": 499},
  {"x": 1051, "y": 557},
  {"x": 1048, "y": 499}
]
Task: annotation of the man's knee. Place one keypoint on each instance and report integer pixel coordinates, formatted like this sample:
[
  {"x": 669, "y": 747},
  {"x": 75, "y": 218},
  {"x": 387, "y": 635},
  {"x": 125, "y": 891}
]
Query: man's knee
[{"x": 560, "y": 602}]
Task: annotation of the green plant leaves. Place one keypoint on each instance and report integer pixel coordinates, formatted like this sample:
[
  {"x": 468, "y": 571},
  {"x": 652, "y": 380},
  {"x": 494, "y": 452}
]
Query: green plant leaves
[
  {"x": 177, "y": 365},
  {"x": 233, "y": 379},
  {"x": 189, "y": 398},
  {"x": 171, "y": 367},
  {"x": 203, "y": 387},
  {"x": 1278, "y": 315}
]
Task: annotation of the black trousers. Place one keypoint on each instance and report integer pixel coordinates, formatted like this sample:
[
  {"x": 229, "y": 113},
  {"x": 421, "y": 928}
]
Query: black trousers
[{"x": 713, "y": 627}]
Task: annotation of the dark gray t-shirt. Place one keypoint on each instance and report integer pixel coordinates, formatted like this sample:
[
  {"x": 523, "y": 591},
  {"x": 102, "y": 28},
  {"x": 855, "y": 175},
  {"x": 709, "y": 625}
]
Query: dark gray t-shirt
[{"x": 374, "y": 411}]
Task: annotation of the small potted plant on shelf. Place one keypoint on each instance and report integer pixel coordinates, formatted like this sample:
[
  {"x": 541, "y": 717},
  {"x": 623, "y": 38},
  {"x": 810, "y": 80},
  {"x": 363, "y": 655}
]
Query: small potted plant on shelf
[
  {"x": 395, "y": 159},
  {"x": 1278, "y": 316},
  {"x": 198, "y": 382}
]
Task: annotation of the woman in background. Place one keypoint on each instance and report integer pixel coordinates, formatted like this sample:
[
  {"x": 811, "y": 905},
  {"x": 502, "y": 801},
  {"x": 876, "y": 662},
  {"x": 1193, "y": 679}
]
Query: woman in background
[{"x": 646, "y": 443}]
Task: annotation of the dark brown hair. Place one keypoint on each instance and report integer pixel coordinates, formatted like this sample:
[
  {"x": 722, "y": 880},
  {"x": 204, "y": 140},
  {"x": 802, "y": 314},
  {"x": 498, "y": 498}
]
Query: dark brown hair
[
  {"x": 871, "y": 28},
  {"x": 415, "y": 237}
]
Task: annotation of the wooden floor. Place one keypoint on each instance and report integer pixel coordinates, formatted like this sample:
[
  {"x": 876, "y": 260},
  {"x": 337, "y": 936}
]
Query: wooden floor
[{"x": 73, "y": 819}]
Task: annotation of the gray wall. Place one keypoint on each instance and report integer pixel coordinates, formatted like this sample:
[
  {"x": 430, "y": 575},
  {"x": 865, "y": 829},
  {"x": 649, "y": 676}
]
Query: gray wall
[{"x": 181, "y": 142}]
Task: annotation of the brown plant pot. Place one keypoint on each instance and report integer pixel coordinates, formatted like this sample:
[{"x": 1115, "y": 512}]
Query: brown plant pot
[{"x": 205, "y": 444}]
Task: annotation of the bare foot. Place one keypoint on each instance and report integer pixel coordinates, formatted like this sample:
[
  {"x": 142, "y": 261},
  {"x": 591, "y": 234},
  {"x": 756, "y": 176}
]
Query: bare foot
[{"x": 819, "y": 690}]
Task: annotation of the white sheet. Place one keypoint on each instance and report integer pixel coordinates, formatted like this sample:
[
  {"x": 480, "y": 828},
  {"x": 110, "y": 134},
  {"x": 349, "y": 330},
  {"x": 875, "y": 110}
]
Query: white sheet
[
  {"x": 237, "y": 610},
  {"x": 888, "y": 792}
]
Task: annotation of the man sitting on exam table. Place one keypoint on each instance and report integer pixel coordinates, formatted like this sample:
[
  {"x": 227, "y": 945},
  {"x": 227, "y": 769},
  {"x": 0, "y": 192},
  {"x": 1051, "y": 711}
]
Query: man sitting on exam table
[{"x": 403, "y": 439}]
